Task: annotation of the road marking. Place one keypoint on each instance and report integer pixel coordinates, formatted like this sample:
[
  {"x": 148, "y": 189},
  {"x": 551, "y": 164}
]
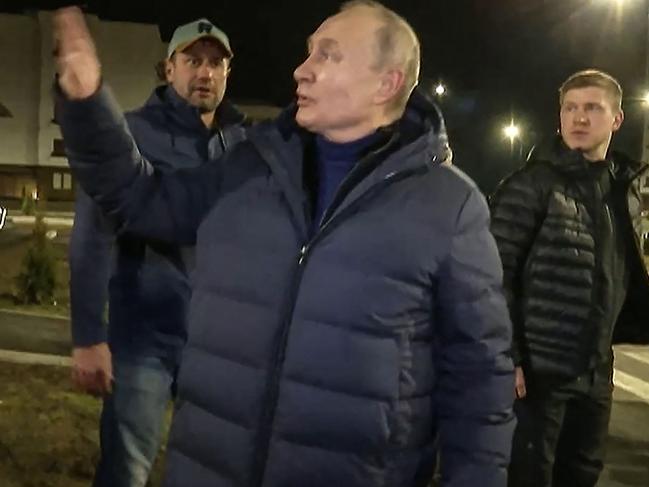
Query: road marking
[
  {"x": 640, "y": 357},
  {"x": 629, "y": 383}
]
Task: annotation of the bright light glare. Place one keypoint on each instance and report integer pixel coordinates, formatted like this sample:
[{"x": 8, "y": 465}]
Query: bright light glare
[{"x": 512, "y": 131}]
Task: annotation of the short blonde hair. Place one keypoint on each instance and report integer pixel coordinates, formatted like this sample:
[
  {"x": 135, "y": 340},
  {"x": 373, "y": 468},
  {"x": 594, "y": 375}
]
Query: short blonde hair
[
  {"x": 397, "y": 45},
  {"x": 593, "y": 78}
]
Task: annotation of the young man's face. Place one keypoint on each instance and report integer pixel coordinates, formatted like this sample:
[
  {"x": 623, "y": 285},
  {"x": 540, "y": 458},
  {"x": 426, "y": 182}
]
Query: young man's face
[
  {"x": 199, "y": 74},
  {"x": 336, "y": 84},
  {"x": 588, "y": 120}
]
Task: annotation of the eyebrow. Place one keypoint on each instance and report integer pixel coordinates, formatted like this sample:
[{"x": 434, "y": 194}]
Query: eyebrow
[
  {"x": 325, "y": 42},
  {"x": 586, "y": 103}
]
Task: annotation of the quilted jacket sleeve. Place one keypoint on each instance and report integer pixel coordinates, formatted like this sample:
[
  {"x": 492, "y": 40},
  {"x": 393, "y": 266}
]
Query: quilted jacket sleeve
[
  {"x": 517, "y": 212},
  {"x": 474, "y": 394}
]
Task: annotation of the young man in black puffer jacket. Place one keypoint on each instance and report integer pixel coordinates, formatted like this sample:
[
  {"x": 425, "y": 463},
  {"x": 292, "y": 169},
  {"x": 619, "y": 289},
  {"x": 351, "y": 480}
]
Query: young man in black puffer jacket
[{"x": 575, "y": 282}]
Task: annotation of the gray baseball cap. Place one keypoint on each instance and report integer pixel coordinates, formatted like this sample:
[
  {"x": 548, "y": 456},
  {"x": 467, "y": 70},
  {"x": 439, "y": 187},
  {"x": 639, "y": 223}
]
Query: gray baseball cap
[{"x": 187, "y": 34}]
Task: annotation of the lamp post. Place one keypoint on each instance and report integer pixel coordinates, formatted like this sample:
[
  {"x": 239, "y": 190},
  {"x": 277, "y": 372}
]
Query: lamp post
[{"x": 513, "y": 132}]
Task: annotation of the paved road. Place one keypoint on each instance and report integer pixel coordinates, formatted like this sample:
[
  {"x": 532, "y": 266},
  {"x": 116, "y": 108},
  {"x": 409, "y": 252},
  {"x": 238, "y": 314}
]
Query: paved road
[
  {"x": 628, "y": 446},
  {"x": 30, "y": 333}
]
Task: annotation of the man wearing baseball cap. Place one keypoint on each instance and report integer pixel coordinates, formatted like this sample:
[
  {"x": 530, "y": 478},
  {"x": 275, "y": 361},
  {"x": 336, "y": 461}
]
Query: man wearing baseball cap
[{"x": 132, "y": 363}]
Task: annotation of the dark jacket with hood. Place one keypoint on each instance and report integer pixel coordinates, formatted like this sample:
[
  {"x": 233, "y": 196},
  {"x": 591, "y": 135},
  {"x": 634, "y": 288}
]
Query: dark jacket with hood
[
  {"x": 339, "y": 358},
  {"x": 146, "y": 280},
  {"x": 568, "y": 234}
]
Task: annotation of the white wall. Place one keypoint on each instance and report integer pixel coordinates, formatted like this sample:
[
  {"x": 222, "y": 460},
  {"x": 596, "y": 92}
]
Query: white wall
[
  {"x": 19, "y": 47},
  {"x": 128, "y": 53}
]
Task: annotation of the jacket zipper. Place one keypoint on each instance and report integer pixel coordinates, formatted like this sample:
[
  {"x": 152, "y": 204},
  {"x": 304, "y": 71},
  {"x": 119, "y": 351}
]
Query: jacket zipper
[
  {"x": 224, "y": 145},
  {"x": 272, "y": 394}
]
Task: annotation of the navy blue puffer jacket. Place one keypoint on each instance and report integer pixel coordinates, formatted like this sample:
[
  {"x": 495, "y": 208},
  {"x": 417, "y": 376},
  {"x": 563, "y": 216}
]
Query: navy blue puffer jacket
[{"x": 333, "y": 360}]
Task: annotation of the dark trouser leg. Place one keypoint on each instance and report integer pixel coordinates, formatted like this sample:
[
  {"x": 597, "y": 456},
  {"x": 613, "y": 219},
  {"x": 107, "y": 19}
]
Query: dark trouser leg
[
  {"x": 540, "y": 418},
  {"x": 581, "y": 448}
]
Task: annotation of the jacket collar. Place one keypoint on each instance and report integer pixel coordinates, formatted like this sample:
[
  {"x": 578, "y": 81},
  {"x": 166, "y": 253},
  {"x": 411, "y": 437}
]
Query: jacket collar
[
  {"x": 176, "y": 107},
  {"x": 415, "y": 142},
  {"x": 566, "y": 160}
]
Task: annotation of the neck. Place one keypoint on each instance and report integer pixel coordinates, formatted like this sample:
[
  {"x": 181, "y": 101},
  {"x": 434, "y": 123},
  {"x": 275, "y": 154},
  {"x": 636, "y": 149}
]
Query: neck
[
  {"x": 209, "y": 119},
  {"x": 350, "y": 134},
  {"x": 597, "y": 154}
]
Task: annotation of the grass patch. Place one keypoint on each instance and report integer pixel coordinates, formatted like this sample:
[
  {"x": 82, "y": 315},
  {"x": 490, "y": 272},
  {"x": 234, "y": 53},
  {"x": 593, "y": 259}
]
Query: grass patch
[{"x": 50, "y": 432}]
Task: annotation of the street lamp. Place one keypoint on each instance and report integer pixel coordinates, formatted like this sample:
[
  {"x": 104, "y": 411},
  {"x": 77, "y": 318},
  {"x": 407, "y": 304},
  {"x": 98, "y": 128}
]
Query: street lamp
[
  {"x": 645, "y": 98},
  {"x": 440, "y": 89},
  {"x": 512, "y": 131}
]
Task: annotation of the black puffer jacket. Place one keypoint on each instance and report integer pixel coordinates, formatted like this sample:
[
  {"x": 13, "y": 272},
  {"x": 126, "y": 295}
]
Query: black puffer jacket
[{"x": 547, "y": 235}]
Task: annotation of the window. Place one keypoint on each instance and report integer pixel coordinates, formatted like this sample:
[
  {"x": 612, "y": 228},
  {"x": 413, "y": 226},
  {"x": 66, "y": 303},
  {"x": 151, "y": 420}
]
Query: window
[
  {"x": 57, "y": 180},
  {"x": 61, "y": 181},
  {"x": 4, "y": 112},
  {"x": 58, "y": 149}
]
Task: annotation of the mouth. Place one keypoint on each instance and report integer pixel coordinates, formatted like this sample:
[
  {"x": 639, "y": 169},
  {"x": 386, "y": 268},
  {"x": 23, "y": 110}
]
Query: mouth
[
  {"x": 303, "y": 100},
  {"x": 203, "y": 91}
]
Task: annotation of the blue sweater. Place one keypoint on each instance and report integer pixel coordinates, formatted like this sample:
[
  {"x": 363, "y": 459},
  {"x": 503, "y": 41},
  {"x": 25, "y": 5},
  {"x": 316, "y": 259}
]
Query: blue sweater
[
  {"x": 334, "y": 161},
  {"x": 144, "y": 281}
]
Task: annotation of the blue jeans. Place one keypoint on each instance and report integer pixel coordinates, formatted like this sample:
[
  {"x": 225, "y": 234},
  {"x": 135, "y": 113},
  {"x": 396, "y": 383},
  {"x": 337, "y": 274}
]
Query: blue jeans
[{"x": 132, "y": 421}]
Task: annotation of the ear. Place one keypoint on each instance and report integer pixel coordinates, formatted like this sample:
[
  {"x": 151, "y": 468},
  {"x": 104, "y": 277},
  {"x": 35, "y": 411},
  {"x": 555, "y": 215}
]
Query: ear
[
  {"x": 390, "y": 85},
  {"x": 169, "y": 70},
  {"x": 617, "y": 121}
]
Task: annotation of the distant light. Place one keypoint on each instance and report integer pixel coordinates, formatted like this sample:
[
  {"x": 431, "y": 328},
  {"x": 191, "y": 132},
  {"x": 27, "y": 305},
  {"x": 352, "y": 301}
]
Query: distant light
[
  {"x": 645, "y": 98},
  {"x": 512, "y": 131},
  {"x": 440, "y": 90}
]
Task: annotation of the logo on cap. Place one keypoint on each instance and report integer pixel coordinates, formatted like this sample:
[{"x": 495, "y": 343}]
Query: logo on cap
[{"x": 204, "y": 27}]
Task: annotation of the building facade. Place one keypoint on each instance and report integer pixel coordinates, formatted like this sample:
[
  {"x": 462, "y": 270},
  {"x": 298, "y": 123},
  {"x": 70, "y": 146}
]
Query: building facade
[{"x": 32, "y": 157}]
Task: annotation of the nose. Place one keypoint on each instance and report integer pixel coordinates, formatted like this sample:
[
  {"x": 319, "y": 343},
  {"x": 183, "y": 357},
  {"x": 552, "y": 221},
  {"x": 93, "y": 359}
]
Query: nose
[
  {"x": 205, "y": 71},
  {"x": 580, "y": 117},
  {"x": 303, "y": 73}
]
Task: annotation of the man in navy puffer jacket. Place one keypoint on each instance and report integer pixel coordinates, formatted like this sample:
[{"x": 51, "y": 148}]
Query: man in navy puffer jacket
[
  {"x": 347, "y": 317},
  {"x": 183, "y": 124}
]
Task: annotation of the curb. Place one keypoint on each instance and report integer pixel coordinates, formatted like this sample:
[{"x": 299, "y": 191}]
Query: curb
[
  {"x": 63, "y": 222},
  {"x": 28, "y": 358},
  {"x": 34, "y": 314}
]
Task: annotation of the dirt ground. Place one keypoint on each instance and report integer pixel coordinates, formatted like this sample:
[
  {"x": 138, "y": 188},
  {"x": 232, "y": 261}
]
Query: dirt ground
[{"x": 48, "y": 432}]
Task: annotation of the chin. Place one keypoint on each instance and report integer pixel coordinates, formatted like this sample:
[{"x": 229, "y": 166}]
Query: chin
[
  {"x": 580, "y": 146},
  {"x": 303, "y": 121}
]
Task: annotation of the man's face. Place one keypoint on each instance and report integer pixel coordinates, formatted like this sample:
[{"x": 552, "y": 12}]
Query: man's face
[
  {"x": 199, "y": 74},
  {"x": 588, "y": 120},
  {"x": 336, "y": 84}
]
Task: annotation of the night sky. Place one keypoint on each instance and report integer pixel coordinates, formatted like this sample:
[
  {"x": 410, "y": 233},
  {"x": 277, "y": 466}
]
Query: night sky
[{"x": 499, "y": 58}]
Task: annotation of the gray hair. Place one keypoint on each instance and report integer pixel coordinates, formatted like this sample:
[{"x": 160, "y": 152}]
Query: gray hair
[{"x": 397, "y": 45}]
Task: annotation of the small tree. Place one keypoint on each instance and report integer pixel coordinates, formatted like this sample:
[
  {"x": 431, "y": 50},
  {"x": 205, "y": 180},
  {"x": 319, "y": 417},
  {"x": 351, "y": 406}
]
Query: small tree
[
  {"x": 37, "y": 279},
  {"x": 28, "y": 204}
]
